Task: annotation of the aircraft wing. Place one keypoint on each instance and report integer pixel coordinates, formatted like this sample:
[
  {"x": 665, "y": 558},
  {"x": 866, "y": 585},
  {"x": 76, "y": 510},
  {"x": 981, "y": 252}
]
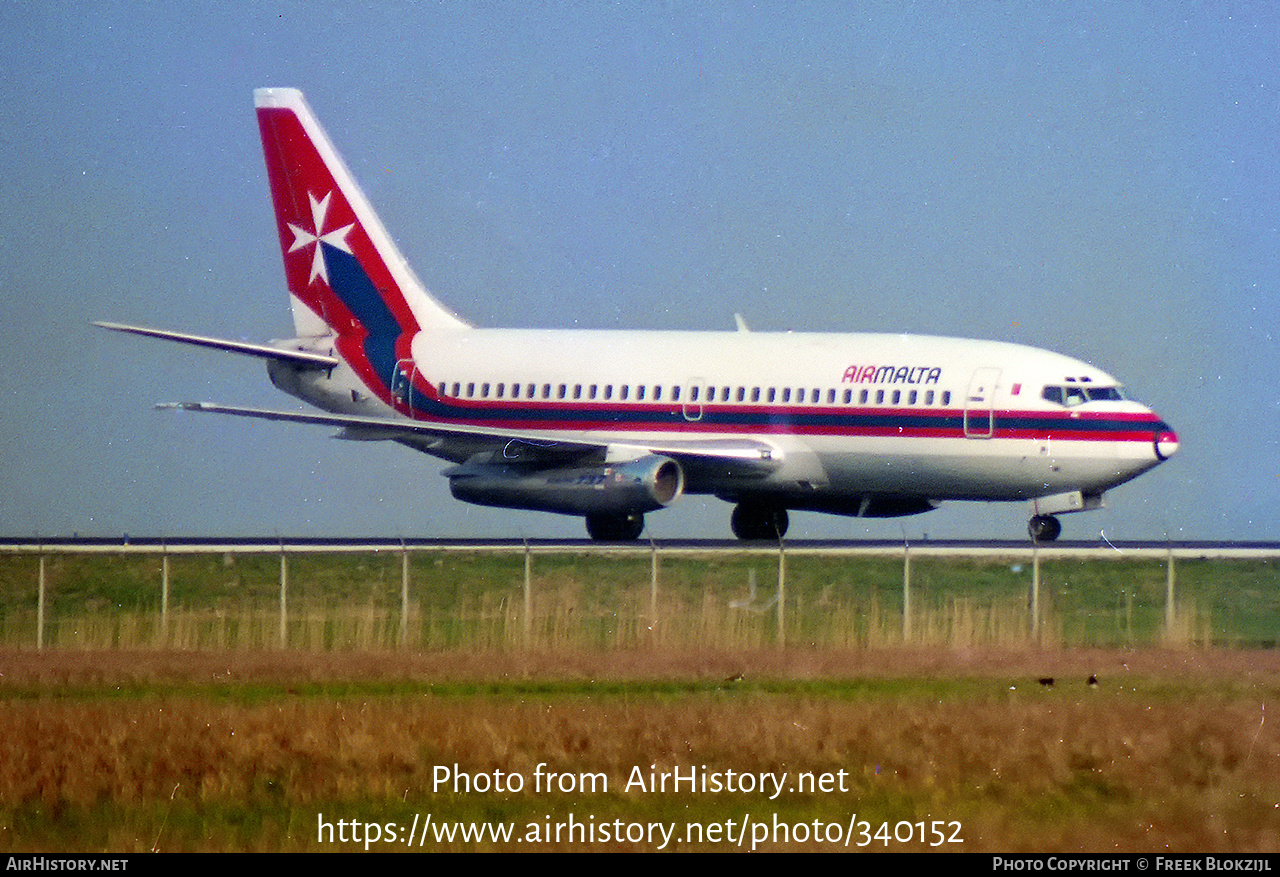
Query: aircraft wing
[
  {"x": 744, "y": 456},
  {"x": 305, "y": 358}
]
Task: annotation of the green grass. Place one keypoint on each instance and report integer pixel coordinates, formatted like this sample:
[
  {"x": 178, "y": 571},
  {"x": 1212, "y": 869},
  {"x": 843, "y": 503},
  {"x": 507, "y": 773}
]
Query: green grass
[{"x": 478, "y": 601}]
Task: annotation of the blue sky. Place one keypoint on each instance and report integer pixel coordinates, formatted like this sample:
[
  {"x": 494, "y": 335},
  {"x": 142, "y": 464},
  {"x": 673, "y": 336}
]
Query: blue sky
[{"x": 1099, "y": 179}]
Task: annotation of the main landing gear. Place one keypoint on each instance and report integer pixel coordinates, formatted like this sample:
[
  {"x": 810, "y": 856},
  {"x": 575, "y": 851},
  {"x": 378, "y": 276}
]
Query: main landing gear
[
  {"x": 1044, "y": 528},
  {"x": 752, "y": 521},
  {"x": 616, "y": 527}
]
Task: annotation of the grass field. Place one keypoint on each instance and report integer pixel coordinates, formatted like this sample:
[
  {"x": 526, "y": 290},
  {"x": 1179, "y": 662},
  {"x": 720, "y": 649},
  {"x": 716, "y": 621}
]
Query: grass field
[
  {"x": 250, "y": 751},
  {"x": 577, "y": 602},
  {"x": 126, "y": 734}
]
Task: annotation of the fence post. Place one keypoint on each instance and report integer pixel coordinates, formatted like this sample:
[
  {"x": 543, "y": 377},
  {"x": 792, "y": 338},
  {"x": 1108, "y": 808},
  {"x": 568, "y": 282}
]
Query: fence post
[
  {"x": 164, "y": 593},
  {"x": 782, "y": 593},
  {"x": 1035, "y": 592},
  {"x": 284, "y": 587},
  {"x": 528, "y": 595},
  {"x": 653, "y": 581},
  {"x": 906, "y": 593},
  {"x": 40, "y": 606},
  {"x": 404, "y": 593}
]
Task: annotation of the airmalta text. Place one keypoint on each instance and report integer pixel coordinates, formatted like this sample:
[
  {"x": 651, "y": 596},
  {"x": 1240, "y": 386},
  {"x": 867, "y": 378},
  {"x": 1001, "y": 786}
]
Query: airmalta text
[{"x": 892, "y": 374}]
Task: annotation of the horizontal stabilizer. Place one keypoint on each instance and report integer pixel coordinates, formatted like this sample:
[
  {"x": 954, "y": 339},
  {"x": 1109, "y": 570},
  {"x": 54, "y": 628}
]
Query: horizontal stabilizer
[
  {"x": 342, "y": 421},
  {"x": 353, "y": 426},
  {"x": 264, "y": 351}
]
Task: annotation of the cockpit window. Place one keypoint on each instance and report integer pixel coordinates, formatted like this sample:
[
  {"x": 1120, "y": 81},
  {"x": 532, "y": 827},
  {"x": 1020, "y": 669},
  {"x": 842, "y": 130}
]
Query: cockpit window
[
  {"x": 1071, "y": 395},
  {"x": 1105, "y": 394}
]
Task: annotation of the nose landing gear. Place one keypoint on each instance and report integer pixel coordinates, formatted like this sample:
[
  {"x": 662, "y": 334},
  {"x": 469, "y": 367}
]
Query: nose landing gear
[{"x": 1044, "y": 528}]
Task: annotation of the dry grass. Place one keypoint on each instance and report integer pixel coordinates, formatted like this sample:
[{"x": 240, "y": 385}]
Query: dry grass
[
  {"x": 130, "y": 751},
  {"x": 56, "y": 670}
]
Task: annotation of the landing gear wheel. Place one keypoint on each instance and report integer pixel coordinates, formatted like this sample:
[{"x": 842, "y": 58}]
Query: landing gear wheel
[
  {"x": 751, "y": 521},
  {"x": 622, "y": 527},
  {"x": 1044, "y": 528}
]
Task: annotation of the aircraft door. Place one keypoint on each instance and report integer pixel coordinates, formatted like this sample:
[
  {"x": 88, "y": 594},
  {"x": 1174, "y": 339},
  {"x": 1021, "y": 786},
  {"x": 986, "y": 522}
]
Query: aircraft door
[
  {"x": 979, "y": 402},
  {"x": 695, "y": 392},
  {"x": 402, "y": 383}
]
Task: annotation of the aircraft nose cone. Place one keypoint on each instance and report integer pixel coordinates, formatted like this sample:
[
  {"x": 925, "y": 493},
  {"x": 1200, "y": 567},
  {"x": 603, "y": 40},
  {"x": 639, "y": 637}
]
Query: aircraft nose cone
[{"x": 1165, "y": 442}]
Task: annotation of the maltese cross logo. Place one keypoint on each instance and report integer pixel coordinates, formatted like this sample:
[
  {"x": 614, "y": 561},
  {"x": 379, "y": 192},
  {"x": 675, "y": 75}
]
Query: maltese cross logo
[{"x": 335, "y": 238}]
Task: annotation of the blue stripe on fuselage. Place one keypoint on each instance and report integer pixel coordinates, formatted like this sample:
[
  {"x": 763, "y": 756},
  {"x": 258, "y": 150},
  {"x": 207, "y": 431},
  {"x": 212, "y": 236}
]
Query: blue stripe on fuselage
[{"x": 548, "y": 415}]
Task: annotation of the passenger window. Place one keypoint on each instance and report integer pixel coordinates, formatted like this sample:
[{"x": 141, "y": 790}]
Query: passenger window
[
  {"x": 755, "y": 394},
  {"x": 640, "y": 392}
]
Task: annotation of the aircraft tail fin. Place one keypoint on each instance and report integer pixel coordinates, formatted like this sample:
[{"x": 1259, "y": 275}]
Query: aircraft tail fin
[{"x": 344, "y": 272}]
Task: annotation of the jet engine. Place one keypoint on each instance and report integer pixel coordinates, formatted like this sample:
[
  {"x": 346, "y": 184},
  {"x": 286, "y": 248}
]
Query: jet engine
[{"x": 642, "y": 485}]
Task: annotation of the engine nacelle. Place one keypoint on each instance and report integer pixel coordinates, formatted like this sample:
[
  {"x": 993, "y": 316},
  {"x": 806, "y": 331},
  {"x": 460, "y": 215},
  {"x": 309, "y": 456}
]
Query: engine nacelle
[{"x": 641, "y": 485}]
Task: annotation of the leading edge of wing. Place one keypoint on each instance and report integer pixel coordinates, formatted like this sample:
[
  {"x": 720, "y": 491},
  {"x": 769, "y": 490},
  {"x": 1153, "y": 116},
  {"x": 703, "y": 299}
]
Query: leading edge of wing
[
  {"x": 737, "y": 450},
  {"x": 265, "y": 351}
]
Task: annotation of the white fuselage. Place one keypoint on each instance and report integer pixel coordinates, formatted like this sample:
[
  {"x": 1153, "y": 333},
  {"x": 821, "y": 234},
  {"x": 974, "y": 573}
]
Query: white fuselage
[{"x": 847, "y": 414}]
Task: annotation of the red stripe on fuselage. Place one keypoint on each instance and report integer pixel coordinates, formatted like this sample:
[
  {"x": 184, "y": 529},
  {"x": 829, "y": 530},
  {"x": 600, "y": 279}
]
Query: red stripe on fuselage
[{"x": 777, "y": 420}]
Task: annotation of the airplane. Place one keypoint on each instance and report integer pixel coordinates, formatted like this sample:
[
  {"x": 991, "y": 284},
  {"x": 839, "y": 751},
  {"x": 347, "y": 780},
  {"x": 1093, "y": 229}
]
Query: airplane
[{"x": 612, "y": 425}]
